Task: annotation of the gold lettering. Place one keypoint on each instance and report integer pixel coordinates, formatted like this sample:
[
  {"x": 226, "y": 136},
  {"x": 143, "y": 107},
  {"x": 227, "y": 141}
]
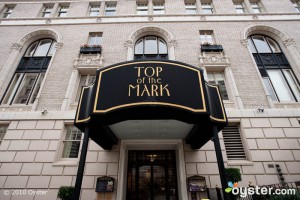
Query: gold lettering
[
  {"x": 145, "y": 90},
  {"x": 137, "y": 87},
  {"x": 139, "y": 70},
  {"x": 158, "y": 80},
  {"x": 164, "y": 88},
  {"x": 158, "y": 70},
  {"x": 152, "y": 71},
  {"x": 154, "y": 89}
]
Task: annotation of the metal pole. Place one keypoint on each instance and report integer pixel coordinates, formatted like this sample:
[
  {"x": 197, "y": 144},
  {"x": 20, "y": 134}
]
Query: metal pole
[
  {"x": 80, "y": 170},
  {"x": 220, "y": 162}
]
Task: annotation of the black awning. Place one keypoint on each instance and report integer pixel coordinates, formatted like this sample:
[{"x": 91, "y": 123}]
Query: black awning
[{"x": 150, "y": 90}]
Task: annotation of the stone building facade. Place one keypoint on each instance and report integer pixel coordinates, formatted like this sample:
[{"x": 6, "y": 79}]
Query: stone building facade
[{"x": 34, "y": 152}]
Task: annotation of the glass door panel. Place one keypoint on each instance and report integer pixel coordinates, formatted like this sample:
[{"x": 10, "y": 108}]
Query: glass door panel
[
  {"x": 145, "y": 182},
  {"x": 159, "y": 183}
]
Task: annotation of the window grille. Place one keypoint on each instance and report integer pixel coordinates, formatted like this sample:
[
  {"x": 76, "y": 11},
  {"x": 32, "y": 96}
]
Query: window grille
[{"x": 233, "y": 143}]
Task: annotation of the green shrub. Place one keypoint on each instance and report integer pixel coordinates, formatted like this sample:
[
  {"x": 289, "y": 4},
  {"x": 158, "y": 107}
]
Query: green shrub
[
  {"x": 233, "y": 175},
  {"x": 65, "y": 192}
]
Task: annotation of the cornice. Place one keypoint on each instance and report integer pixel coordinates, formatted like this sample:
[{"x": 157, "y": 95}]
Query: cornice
[{"x": 152, "y": 19}]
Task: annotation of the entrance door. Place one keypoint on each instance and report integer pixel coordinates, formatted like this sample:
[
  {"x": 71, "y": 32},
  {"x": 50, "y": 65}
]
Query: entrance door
[{"x": 151, "y": 175}]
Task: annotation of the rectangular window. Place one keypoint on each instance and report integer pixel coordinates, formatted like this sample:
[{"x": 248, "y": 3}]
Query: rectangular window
[
  {"x": 256, "y": 8},
  {"x": 110, "y": 8},
  {"x": 233, "y": 143},
  {"x": 217, "y": 78},
  {"x": 95, "y": 39},
  {"x": 94, "y": 10},
  {"x": 47, "y": 10},
  {"x": 296, "y": 5},
  {"x": 7, "y": 11},
  {"x": 207, "y": 8},
  {"x": 206, "y": 37},
  {"x": 190, "y": 8},
  {"x": 239, "y": 7},
  {"x": 158, "y": 8},
  {"x": 71, "y": 142},
  {"x": 142, "y": 9},
  {"x": 85, "y": 80},
  {"x": 63, "y": 11},
  {"x": 3, "y": 130}
]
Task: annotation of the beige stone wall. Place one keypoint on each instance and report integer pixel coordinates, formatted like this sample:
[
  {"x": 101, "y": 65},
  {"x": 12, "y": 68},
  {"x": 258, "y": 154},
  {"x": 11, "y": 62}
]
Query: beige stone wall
[{"x": 29, "y": 153}]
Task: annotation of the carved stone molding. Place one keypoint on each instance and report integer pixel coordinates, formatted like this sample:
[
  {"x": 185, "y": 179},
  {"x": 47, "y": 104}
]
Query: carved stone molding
[
  {"x": 203, "y": 18},
  {"x": 151, "y": 30},
  {"x": 264, "y": 28},
  {"x": 98, "y": 20},
  {"x": 255, "y": 17},
  {"x": 48, "y": 21},
  {"x": 150, "y": 18},
  {"x": 88, "y": 61},
  {"x": 245, "y": 42},
  {"x": 172, "y": 43},
  {"x": 289, "y": 41},
  {"x": 56, "y": 35},
  {"x": 214, "y": 59},
  {"x": 129, "y": 43},
  {"x": 16, "y": 46},
  {"x": 58, "y": 45}
]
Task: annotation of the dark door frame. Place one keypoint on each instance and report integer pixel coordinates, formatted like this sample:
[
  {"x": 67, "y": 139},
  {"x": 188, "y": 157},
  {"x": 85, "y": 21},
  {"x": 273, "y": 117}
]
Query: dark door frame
[{"x": 165, "y": 163}]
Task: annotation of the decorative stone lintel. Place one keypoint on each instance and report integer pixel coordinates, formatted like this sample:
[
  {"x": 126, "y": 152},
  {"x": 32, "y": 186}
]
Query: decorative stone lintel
[
  {"x": 288, "y": 42},
  {"x": 16, "y": 46},
  {"x": 88, "y": 60},
  {"x": 214, "y": 59}
]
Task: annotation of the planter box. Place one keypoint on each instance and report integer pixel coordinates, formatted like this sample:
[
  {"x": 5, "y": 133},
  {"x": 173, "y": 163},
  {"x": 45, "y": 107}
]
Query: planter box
[
  {"x": 211, "y": 48},
  {"x": 90, "y": 50}
]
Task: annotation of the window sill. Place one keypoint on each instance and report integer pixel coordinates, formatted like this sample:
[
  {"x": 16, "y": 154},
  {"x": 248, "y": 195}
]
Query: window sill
[
  {"x": 71, "y": 162},
  {"x": 239, "y": 162}
]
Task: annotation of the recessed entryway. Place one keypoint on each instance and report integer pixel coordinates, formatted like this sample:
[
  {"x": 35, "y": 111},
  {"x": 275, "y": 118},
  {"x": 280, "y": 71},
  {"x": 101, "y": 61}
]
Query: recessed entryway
[{"x": 152, "y": 175}]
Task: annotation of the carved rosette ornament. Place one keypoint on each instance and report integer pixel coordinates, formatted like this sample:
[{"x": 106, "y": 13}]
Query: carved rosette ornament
[
  {"x": 16, "y": 46},
  {"x": 214, "y": 59}
]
